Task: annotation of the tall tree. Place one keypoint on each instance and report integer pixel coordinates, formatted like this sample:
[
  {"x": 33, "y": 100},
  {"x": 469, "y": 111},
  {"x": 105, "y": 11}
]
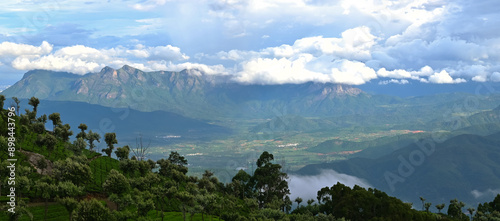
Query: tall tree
[
  {"x": 423, "y": 202},
  {"x": 63, "y": 132},
  {"x": 298, "y": 200},
  {"x": 455, "y": 209},
  {"x": 439, "y": 207},
  {"x": 471, "y": 212},
  {"x": 110, "y": 139},
  {"x": 122, "y": 152},
  {"x": 82, "y": 133},
  {"x": 91, "y": 137},
  {"x": 427, "y": 206},
  {"x": 2, "y": 101},
  {"x": 269, "y": 181},
  {"x": 17, "y": 101},
  {"x": 56, "y": 120},
  {"x": 50, "y": 142},
  {"x": 34, "y": 102},
  {"x": 140, "y": 151}
]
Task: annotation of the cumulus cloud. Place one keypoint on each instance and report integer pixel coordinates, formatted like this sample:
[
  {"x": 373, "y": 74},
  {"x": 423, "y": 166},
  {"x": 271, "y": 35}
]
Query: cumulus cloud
[
  {"x": 495, "y": 77},
  {"x": 443, "y": 77},
  {"x": 307, "y": 187},
  {"x": 81, "y": 59},
  {"x": 9, "y": 49},
  {"x": 487, "y": 193}
]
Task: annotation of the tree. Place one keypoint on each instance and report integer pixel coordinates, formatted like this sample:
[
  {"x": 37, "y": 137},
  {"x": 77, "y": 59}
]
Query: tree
[
  {"x": 110, "y": 139},
  {"x": 2, "y": 101},
  {"x": 116, "y": 183},
  {"x": 122, "y": 153},
  {"x": 70, "y": 204},
  {"x": 17, "y": 101},
  {"x": 50, "y": 142},
  {"x": 427, "y": 206},
  {"x": 310, "y": 202},
  {"x": 91, "y": 137},
  {"x": 423, "y": 202},
  {"x": 91, "y": 210},
  {"x": 141, "y": 151},
  {"x": 78, "y": 145},
  {"x": 269, "y": 181},
  {"x": 74, "y": 169},
  {"x": 241, "y": 184},
  {"x": 64, "y": 132},
  {"x": 47, "y": 190},
  {"x": 34, "y": 102},
  {"x": 298, "y": 200},
  {"x": 82, "y": 133},
  {"x": 471, "y": 212},
  {"x": 455, "y": 209},
  {"x": 439, "y": 207},
  {"x": 56, "y": 120}
]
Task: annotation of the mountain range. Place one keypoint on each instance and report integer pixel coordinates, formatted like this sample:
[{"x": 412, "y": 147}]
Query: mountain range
[{"x": 185, "y": 93}]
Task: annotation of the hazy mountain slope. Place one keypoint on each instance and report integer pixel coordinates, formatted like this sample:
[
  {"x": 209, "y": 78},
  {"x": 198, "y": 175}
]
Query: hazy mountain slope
[
  {"x": 188, "y": 94},
  {"x": 454, "y": 169},
  {"x": 128, "y": 123}
]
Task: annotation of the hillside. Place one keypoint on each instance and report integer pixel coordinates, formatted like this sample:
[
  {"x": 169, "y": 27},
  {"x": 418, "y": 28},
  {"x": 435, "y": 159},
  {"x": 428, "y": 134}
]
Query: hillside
[
  {"x": 59, "y": 180},
  {"x": 458, "y": 167}
]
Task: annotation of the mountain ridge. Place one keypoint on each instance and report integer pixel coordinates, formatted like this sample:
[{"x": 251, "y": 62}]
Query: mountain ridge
[{"x": 181, "y": 92}]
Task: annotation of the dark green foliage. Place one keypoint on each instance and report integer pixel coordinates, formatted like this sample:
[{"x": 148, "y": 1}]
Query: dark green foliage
[
  {"x": 362, "y": 204},
  {"x": 91, "y": 210},
  {"x": 116, "y": 183},
  {"x": 63, "y": 132},
  {"x": 269, "y": 181},
  {"x": 34, "y": 102},
  {"x": 74, "y": 169},
  {"x": 91, "y": 137},
  {"x": 122, "y": 152},
  {"x": 56, "y": 120},
  {"x": 82, "y": 133},
  {"x": 2, "y": 101},
  {"x": 110, "y": 139}
]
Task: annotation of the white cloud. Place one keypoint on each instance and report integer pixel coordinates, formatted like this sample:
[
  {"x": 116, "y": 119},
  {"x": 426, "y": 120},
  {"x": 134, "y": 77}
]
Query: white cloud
[
  {"x": 393, "y": 81},
  {"x": 307, "y": 187},
  {"x": 486, "y": 193},
  {"x": 81, "y": 59},
  {"x": 10, "y": 49},
  {"x": 303, "y": 68},
  {"x": 495, "y": 77},
  {"x": 149, "y": 5},
  {"x": 444, "y": 77}
]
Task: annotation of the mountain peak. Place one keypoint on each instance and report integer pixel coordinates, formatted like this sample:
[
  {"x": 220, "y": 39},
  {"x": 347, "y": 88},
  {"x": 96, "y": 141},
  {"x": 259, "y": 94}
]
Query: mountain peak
[{"x": 128, "y": 69}]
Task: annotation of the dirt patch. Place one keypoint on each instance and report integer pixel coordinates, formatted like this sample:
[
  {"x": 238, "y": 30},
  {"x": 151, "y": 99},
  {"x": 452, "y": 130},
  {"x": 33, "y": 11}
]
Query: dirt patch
[{"x": 35, "y": 158}]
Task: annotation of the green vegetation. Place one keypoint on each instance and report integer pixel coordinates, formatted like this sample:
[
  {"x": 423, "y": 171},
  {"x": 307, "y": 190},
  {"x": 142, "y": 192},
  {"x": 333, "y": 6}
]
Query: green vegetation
[{"x": 60, "y": 180}]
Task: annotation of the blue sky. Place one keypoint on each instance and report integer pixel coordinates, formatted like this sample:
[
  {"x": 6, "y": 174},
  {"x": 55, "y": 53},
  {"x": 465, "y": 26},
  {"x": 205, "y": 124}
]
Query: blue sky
[{"x": 258, "y": 41}]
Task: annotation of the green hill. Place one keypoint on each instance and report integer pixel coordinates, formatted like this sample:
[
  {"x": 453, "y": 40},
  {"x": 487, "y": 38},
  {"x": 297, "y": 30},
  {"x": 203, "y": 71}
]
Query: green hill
[{"x": 453, "y": 168}]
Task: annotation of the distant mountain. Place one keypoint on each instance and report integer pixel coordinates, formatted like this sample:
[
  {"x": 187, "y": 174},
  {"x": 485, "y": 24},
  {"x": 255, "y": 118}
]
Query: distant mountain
[
  {"x": 190, "y": 94},
  {"x": 128, "y": 123},
  {"x": 464, "y": 167}
]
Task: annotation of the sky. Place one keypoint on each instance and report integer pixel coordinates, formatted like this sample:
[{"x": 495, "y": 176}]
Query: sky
[{"x": 258, "y": 41}]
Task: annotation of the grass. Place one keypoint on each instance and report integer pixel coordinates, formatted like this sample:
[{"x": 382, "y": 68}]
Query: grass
[
  {"x": 55, "y": 212},
  {"x": 100, "y": 168}
]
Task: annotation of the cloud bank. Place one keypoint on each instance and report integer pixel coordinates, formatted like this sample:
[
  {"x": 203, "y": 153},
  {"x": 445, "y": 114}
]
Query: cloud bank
[
  {"x": 263, "y": 42},
  {"x": 307, "y": 187}
]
